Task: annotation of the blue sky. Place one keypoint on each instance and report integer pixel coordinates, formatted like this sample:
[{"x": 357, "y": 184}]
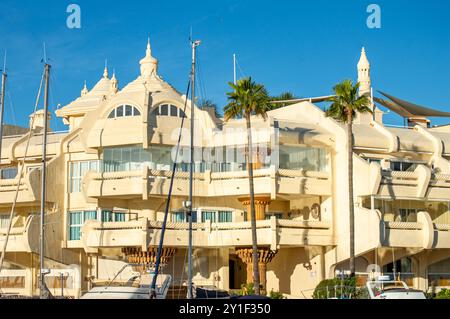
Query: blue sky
[{"x": 301, "y": 46}]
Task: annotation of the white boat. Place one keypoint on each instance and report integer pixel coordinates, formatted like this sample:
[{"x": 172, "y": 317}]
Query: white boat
[
  {"x": 385, "y": 288},
  {"x": 136, "y": 287}
]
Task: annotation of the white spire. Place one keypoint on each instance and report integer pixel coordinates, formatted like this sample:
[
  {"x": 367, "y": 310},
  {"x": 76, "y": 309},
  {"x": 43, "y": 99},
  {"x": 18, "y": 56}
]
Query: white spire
[
  {"x": 114, "y": 83},
  {"x": 363, "y": 61},
  {"x": 85, "y": 90},
  {"x": 105, "y": 72},
  {"x": 365, "y": 83},
  {"x": 149, "y": 65}
]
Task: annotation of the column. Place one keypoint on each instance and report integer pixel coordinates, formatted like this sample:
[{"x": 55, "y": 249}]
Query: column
[
  {"x": 137, "y": 256},
  {"x": 261, "y": 204},
  {"x": 265, "y": 257}
]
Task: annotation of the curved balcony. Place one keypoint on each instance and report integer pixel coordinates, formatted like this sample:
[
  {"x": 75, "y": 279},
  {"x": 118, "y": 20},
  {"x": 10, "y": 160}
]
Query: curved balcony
[
  {"x": 146, "y": 182},
  {"x": 24, "y": 232},
  {"x": 273, "y": 233},
  {"x": 29, "y": 189}
]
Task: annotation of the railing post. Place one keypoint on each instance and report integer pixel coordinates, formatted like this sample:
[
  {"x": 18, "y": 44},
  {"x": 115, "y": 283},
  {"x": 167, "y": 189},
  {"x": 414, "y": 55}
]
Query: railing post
[
  {"x": 274, "y": 233},
  {"x": 145, "y": 182},
  {"x": 208, "y": 177},
  {"x": 273, "y": 182},
  {"x": 145, "y": 238}
]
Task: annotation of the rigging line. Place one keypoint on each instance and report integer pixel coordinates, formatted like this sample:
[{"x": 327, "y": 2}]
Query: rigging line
[
  {"x": 11, "y": 108},
  {"x": 200, "y": 79},
  {"x": 22, "y": 166},
  {"x": 182, "y": 273},
  {"x": 166, "y": 213},
  {"x": 240, "y": 69}
]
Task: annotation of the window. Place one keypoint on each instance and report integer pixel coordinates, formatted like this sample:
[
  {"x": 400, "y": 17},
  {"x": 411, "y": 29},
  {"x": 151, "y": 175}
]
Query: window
[
  {"x": 164, "y": 110},
  {"x": 77, "y": 172},
  {"x": 119, "y": 217},
  {"x": 403, "y": 166},
  {"x": 173, "y": 111},
  {"x": 178, "y": 217},
  {"x": 277, "y": 215},
  {"x": 119, "y": 111},
  {"x": 225, "y": 217},
  {"x": 124, "y": 111},
  {"x": 9, "y": 173},
  {"x": 181, "y": 217},
  {"x": 76, "y": 222},
  {"x": 107, "y": 216},
  {"x": 169, "y": 110},
  {"x": 407, "y": 215},
  {"x": 4, "y": 221},
  {"x": 211, "y": 216},
  {"x": 309, "y": 159}
]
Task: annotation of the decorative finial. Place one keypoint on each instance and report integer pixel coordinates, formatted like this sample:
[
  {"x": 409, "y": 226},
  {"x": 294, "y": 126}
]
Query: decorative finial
[
  {"x": 105, "y": 72},
  {"x": 148, "y": 53},
  {"x": 85, "y": 90},
  {"x": 149, "y": 64},
  {"x": 114, "y": 83},
  {"x": 363, "y": 61}
]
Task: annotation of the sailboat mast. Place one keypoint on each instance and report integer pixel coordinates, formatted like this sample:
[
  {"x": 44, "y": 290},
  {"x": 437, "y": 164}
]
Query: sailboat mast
[
  {"x": 234, "y": 69},
  {"x": 2, "y": 107},
  {"x": 43, "y": 184},
  {"x": 195, "y": 44}
]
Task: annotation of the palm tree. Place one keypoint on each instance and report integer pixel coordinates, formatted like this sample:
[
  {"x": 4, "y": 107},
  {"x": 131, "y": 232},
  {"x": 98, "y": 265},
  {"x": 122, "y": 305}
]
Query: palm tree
[
  {"x": 345, "y": 104},
  {"x": 208, "y": 104},
  {"x": 286, "y": 96},
  {"x": 249, "y": 98}
]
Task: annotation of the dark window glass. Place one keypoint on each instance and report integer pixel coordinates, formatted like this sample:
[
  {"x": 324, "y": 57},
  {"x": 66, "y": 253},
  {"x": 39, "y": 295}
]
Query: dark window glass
[
  {"x": 182, "y": 114},
  {"x": 136, "y": 112},
  {"x": 107, "y": 216},
  {"x": 164, "y": 110},
  {"x": 119, "y": 111},
  {"x": 156, "y": 111},
  {"x": 173, "y": 111},
  {"x": 128, "y": 110},
  {"x": 112, "y": 114},
  {"x": 9, "y": 173}
]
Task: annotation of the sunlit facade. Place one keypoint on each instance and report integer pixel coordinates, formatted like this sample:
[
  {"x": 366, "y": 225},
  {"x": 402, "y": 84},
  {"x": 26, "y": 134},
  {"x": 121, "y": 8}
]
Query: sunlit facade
[{"x": 109, "y": 176}]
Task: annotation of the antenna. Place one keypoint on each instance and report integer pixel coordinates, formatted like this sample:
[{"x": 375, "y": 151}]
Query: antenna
[
  {"x": 234, "y": 69},
  {"x": 45, "y": 53},
  {"x": 4, "y": 63}
]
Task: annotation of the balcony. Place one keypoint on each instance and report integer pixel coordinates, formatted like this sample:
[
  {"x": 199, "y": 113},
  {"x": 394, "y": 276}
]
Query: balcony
[
  {"x": 29, "y": 189},
  {"x": 273, "y": 233},
  {"x": 421, "y": 183},
  {"x": 424, "y": 234},
  {"x": 146, "y": 182},
  {"x": 23, "y": 235}
]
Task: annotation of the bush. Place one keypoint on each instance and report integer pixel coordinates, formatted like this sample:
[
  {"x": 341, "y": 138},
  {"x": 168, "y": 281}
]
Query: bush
[
  {"x": 443, "y": 294},
  {"x": 339, "y": 288},
  {"x": 247, "y": 290},
  {"x": 276, "y": 295}
]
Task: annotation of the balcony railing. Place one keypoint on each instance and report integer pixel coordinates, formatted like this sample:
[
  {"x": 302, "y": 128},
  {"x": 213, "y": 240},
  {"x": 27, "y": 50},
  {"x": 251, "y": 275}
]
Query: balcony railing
[
  {"x": 271, "y": 232},
  {"x": 28, "y": 187},
  {"x": 147, "y": 182},
  {"x": 23, "y": 234}
]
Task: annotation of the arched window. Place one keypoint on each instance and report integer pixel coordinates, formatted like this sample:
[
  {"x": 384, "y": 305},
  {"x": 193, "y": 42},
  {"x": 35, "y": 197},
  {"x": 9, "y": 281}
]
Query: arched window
[
  {"x": 169, "y": 110},
  {"x": 124, "y": 111}
]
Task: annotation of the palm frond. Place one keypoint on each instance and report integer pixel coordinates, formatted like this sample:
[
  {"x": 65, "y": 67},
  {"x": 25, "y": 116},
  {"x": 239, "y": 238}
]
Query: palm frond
[{"x": 347, "y": 100}]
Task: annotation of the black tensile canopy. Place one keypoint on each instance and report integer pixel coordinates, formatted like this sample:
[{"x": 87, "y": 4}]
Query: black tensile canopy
[{"x": 408, "y": 109}]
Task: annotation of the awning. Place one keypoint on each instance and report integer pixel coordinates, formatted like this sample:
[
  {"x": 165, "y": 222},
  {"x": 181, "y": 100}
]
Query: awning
[{"x": 407, "y": 109}]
